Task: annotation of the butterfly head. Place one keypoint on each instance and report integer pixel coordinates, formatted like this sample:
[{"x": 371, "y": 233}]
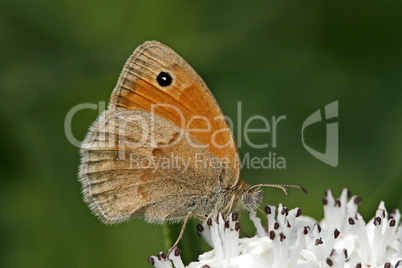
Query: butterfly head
[{"x": 251, "y": 198}]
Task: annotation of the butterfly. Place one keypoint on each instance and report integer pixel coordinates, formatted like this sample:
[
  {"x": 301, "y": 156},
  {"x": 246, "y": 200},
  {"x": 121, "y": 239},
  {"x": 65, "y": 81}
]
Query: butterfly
[{"x": 163, "y": 150}]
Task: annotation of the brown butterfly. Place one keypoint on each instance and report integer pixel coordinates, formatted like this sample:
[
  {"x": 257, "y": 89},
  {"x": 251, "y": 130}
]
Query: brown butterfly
[{"x": 163, "y": 150}]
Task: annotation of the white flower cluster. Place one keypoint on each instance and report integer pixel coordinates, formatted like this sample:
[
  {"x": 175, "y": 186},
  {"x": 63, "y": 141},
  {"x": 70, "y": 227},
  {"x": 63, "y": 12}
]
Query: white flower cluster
[{"x": 342, "y": 239}]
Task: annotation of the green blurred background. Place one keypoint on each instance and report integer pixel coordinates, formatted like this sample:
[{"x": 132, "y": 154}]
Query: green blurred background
[{"x": 279, "y": 58}]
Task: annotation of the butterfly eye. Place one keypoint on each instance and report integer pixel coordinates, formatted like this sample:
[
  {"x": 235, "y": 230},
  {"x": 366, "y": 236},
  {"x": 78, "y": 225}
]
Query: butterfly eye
[
  {"x": 246, "y": 198},
  {"x": 164, "y": 79}
]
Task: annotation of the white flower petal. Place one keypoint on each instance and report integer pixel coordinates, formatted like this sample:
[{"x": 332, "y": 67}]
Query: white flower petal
[{"x": 342, "y": 239}]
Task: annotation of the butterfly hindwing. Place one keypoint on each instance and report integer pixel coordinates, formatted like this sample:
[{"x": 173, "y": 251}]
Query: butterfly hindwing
[{"x": 127, "y": 173}]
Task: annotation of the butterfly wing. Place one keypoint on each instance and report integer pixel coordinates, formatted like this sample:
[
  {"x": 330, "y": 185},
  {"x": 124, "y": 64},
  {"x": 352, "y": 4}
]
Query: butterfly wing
[
  {"x": 186, "y": 102},
  {"x": 149, "y": 122}
]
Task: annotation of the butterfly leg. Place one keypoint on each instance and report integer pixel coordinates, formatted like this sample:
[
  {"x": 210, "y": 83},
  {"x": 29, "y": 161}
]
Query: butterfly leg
[
  {"x": 231, "y": 204},
  {"x": 181, "y": 232}
]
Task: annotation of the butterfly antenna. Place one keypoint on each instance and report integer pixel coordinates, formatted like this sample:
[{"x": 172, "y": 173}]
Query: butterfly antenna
[{"x": 281, "y": 186}]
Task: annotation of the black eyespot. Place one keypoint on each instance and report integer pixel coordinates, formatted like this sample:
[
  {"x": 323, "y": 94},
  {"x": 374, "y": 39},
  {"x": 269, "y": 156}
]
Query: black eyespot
[{"x": 164, "y": 79}]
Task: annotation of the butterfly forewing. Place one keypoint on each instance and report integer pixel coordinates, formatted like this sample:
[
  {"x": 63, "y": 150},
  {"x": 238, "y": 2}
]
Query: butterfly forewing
[{"x": 186, "y": 102}]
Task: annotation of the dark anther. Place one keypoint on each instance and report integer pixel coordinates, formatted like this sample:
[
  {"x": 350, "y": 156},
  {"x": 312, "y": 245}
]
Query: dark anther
[
  {"x": 348, "y": 193},
  {"x": 329, "y": 262},
  {"x": 298, "y": 213},
  {"x": 234, "y": 216},
  {"x": 282, "y": 237},
  {"x": 318, "y": 227},
  {"x": 161, "y": 256},
  {"x": 377, "y": 221},
  {"x": 285, "y": 211},
  {"x": 276, "y": 225},
  {"x": 268, "y": 209},
  {"x": 392, "y": 223},
  {"x": 357, "y": 200},
  {"x": 226, "y": 224},
  {"x": 324, "y": 201},
  {"x": 177, "y": 251},
  {"x": 338, "y": 203},
  {"x": 387, "y": 265},
  {"x": 319, "y": 241},
  {"x": 346, "y": 253},
  {"x": 209, "y": 221},
  {"x": 359, "y": 265},
  {"x": 336, "y": 233},
  {"x": 351, "y": 221},
  {"x": 200, "y": 228},
  {"x": 237, "y": 226},
  {"x": 151, "y": 260},
  {"x": 306, "y": 229},
  {"x": 272, "y": 235}
]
